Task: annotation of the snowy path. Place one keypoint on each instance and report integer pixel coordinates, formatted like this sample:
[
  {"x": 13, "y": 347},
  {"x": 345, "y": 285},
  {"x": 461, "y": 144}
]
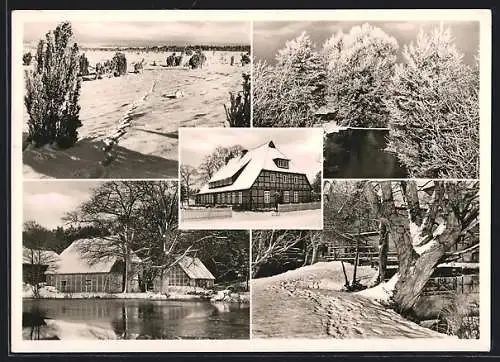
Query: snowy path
[
  {"x": 287, "y": 306},
  {"x": 304, "y": 219}
]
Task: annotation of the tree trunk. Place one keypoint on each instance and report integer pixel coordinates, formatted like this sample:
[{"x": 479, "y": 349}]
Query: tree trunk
[
  {"x": 383, "y": 250},
  {"x": 314, "y": 254},
  {"x": 414, "y": 269},
  {"x": 125, "y": 276},
  {"x": 255, "y": 270}
]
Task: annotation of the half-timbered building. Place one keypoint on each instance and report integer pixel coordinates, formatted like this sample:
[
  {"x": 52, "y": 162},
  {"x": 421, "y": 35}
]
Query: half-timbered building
[{"x": 255, "y": 179}]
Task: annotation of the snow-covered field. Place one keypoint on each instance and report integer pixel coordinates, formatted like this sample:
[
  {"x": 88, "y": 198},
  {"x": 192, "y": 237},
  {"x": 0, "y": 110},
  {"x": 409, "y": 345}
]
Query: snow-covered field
[
  {"x": 303, "y": 219},
  {"x": 308, "y": 303},
  {"x": 149, "y": 149}
]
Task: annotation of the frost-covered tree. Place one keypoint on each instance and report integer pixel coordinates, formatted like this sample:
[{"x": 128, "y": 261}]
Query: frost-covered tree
[
  {"x": 359, "y": 66},
  {"x": 53, "y": 90},
  {"x": 434, "y": 109},
  {"x": 218, "y": 158},
  {"x": 288, "y": 93}
]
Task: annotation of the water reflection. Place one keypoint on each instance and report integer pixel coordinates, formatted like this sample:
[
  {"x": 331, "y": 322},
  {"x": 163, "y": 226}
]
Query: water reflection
[
  {"x": 133, "y": 319},
  {"x": 359, "y": 153}
]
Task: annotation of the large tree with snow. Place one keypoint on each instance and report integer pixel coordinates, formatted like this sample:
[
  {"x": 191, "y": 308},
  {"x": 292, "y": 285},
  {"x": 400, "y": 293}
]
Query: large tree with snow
[
  {"x": 425, "y": 222},
  {"x": 360, "y": 65},
  {"x": 289, "y": 93},
  {"x": 434, "y": 109}
]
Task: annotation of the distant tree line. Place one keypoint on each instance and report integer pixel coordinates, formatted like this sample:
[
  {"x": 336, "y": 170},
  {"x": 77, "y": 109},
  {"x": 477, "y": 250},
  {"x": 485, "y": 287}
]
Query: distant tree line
[{"x": 179, "y": 48}]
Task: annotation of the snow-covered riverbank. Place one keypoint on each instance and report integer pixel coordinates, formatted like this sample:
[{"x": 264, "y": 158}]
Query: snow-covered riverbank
[{"x": 308, "y": 303}]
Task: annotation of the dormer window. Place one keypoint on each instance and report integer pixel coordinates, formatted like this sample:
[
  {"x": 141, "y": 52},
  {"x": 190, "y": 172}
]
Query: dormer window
[{"x": 281, "y": 162}]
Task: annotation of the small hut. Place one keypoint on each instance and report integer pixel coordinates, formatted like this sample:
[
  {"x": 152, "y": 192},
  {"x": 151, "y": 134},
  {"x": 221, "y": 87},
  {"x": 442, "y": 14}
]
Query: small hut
[
  {"x": 189, "y": 271},
  {"x": 36, "y": 262}
]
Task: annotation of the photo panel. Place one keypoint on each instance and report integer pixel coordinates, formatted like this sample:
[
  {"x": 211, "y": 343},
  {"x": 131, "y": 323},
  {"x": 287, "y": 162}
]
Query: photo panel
[
  {"x": 121, "y": 88},
  {"x": 395, "y": 260},
  {"x": 250, "y": 178},
  {"x": 105, "y": 260},
  {"x": 396, "y": 98}
]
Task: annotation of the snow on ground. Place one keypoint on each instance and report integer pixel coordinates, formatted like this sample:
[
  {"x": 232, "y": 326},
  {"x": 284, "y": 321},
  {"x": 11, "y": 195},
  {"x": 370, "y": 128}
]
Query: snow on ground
[
  {"x": 308, "y": 303},
  {"x": 303, "y": 219},
  {"x": 149, "y": 149}
]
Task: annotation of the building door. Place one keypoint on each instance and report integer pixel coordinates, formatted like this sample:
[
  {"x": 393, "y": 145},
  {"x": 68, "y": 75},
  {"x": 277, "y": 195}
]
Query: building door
[{"x": 267, "y": 197}]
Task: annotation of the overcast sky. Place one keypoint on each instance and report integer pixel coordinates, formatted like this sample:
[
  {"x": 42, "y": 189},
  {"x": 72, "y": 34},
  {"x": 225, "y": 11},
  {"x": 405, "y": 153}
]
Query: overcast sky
[
  {"x": 46, "y": 202},
  {"x": 303, "y": 146},
  {"x": 269, "y": 37},
  {"x": 143, "y": 33}
]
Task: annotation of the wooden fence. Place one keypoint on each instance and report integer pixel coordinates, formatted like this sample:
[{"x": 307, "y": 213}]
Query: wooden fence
[
  {"x": 207, "y": 213},
  {"x": 301, "y": 206}
]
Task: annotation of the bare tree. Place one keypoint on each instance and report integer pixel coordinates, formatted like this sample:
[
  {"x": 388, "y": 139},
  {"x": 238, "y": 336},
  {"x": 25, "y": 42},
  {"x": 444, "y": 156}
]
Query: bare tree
[
  {"x": 187, "y": 174},
  {"x": 37, "y": 259},
  {"x": 268, "y": 244},
  {"x": 218, "y": 158}
]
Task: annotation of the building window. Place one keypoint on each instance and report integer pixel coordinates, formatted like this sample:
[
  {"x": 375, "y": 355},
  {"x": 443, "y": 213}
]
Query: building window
[
  {"x": 223, "y": 198},
  {"x": 285, "y": 178},
  {"x": 88, "y": 284},
  {"x": 63, "y": 285},
  {"x": 234, "y": 197},
  {"x": 282, "y": 163},
  {"x": 295, "y": 179},
  {"x": 273, "y": 177},
  {"x": 286, "y": 197},
  {"x": 295, "y": 196},
  {"x": 240, "y": 197},
  {"x": 218, "y": 198},
  {"x": 267, "y": 197}
]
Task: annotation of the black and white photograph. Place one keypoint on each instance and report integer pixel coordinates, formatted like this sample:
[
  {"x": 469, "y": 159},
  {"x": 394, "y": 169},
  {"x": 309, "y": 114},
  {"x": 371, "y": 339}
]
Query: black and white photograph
[
  {"x": 396, "y": 99},
  {"x": 105, "y": 99},
  {"x": 395, "y": 260},
  {"x": 250, "y": 178},
  {"x": 106, "y": 261}
]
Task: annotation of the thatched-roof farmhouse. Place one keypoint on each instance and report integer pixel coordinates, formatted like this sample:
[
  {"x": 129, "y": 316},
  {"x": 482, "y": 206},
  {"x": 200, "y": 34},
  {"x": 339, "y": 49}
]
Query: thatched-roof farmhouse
[{"x": 76, "y": 273}]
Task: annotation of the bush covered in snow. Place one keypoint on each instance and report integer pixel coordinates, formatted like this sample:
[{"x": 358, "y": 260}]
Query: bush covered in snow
[{"x": 53, "y": 90}]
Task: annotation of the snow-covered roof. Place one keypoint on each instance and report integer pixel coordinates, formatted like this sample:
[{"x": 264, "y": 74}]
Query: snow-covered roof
[
  {"x": 250, "y": 164},
  {"x": 73, "y": 261},
  {"x": 194, "y": 268},
  {"x": 38, "y": 256}
]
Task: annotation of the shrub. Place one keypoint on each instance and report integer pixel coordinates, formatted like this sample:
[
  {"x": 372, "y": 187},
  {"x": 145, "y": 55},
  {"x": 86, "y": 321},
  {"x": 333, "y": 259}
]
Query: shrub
[
  {"x": 53, "y": 90},
  {"x": 238, "y": 114},
  {"x": 84, "y": 65},
  {"x": 27, "y": 58},
  {"x": 119, "y": 64}
]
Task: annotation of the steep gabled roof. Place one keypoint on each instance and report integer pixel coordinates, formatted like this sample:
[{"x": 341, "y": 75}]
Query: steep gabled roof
[
  {"x": 250, "y": 164},
  {"x": 194, "y": 268},
  {"x": 73, "y": 261}
]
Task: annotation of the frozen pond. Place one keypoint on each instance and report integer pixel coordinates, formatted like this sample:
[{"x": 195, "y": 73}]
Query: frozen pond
[
  {"x": 133, "y": 319},
  {"x": 360, "y": 153}
]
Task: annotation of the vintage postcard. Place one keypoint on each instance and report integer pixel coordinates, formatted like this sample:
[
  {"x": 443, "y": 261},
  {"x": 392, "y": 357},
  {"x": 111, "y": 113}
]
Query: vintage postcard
[{"x": 238, "y": 181}]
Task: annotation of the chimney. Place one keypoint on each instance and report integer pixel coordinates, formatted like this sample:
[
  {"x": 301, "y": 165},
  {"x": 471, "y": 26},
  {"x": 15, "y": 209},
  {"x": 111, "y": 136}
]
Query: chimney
[
  {"x": 271, "y": 144},
  {"x": 243, "y": 152}
]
